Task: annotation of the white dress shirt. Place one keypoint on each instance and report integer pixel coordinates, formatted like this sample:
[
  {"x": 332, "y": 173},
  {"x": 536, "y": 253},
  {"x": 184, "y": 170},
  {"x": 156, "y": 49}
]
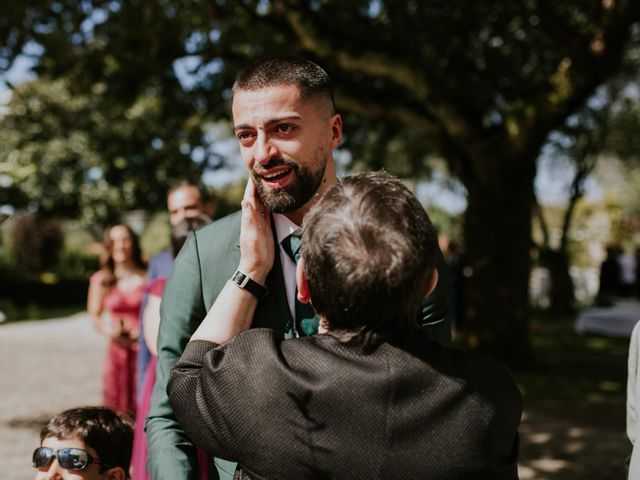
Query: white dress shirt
[{"x": 284, "y": 228}]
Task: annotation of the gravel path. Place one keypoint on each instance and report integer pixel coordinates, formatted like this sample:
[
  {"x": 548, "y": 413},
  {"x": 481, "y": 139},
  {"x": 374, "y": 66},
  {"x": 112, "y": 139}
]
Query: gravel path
[
  {"x": 48, "y": 366},
  {"x": 45, "y": 367}
]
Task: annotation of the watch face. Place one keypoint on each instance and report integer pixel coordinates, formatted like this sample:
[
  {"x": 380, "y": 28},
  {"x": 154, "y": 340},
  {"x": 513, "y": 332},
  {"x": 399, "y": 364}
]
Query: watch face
[
  {"x": 239, "y": 278},
  {"x": 243, "y": 281}
]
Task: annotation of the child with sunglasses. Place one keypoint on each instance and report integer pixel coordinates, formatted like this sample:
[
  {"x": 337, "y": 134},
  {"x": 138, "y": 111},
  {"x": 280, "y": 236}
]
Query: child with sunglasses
[{"x": 89, "y": 443}]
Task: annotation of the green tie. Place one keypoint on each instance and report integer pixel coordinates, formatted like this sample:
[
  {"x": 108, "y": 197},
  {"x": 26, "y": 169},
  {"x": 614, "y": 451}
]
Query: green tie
[{"x": 306, "y": 320}]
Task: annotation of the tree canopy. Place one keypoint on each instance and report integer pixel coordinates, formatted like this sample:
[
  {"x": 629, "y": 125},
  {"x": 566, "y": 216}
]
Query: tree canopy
[{"x": 479, "y": 83}]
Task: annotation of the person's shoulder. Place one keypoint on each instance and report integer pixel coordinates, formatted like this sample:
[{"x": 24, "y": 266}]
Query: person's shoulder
[
  {"x": 97, "y": 277},
  {"x": 478, "y": 372},
  {"x": 162, "y": 256},
  {"x": 228, "y": 225},
  {"x": 265, "y": 343},
  {"x": 160, "y": 264},
  {"x": 255, "y": 336},
  {"x": 222, "y": 223},
  {"x": 488, "y": 377}
]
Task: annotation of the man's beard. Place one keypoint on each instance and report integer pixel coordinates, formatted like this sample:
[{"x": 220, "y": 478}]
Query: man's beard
[{"x": 299, "y": 191}]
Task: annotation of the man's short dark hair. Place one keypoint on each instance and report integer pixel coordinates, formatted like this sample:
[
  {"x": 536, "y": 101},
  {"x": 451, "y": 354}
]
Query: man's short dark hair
[
  {"x": 108, "y": 433},
  {"x": 313, "y": 81},
  {"x": 202, "y": 190},
  {"x": 369, "y": 250}
]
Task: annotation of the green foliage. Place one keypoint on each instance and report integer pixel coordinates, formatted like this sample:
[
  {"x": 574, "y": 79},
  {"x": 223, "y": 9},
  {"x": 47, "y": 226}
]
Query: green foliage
[
  {"x": 417, "y": 77},
  {"x": 76, "y": 265},
  {"x": 445, "y": 223},
  {"x": 589, "y": 369},
  {"x": 68, "y": 154},
  {"x": 45, "y": 250},
  {"x": 481, "y": 84},
  {"x": 156, "y": 236},
  {"x": 36, "y": 243},
  {"x": 227, "y": 199}
]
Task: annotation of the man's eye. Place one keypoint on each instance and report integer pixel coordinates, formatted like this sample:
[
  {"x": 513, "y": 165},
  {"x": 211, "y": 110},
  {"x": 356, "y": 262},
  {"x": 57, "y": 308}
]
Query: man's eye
[
  {"x": 284, "y": 128},
  {"x": 244, "y": 137}
]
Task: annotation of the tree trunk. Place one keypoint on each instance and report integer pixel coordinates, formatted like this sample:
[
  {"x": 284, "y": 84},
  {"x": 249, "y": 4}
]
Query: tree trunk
[{"x": 498, "y": 238}]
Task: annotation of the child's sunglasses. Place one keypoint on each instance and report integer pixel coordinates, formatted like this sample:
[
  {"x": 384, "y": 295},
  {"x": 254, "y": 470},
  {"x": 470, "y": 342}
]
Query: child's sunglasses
[{"x": 68, "y": 458}]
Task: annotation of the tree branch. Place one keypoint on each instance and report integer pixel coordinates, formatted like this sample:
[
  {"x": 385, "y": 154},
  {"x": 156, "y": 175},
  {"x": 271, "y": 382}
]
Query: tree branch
[{"x": 377, "y": 65}]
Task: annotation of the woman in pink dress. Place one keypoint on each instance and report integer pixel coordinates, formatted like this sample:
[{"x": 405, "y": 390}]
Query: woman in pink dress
[{"x": 117, "y": 289}]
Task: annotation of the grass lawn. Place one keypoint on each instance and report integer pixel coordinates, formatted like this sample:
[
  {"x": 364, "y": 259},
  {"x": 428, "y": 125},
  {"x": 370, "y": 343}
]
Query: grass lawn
[
  {"x": 574, "y": 404},
  {"x": 589, "y": 369}
]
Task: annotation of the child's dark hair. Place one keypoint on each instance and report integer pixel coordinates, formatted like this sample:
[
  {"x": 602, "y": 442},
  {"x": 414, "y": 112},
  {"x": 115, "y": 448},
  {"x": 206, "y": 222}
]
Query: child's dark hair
[{"x": 109, "y": 434}]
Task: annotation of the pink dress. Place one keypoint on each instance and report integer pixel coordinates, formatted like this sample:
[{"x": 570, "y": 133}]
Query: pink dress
[
  {"x": 139, "y": 456},
  {"x": 119, "y": 375}
]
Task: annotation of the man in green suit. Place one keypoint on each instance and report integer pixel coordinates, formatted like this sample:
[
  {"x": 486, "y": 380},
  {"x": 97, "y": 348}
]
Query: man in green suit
[{"x": 287, "y": 128}]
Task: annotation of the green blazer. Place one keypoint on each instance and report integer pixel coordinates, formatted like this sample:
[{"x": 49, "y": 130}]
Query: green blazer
[{"x": 205, "y": 263}]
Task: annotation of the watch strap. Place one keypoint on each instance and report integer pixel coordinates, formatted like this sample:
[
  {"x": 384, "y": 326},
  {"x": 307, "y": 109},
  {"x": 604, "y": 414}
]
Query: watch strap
[{"x": 243, "y": 281}]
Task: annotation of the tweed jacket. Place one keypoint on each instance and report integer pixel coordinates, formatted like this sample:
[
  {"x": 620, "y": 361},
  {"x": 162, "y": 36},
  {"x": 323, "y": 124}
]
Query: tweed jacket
[{"x": 314, "y": 408}]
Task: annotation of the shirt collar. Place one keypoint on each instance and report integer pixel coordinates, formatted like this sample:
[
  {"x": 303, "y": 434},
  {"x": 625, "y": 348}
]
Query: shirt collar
[{"x": 284, "y": 226}]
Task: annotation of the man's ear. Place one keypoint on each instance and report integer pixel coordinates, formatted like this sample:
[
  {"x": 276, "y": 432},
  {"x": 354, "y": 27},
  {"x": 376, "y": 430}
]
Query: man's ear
[
  {"x": 301, "y": 281},
  {"x": 115, "y": 473},
  {"x": 209, "y": 209},
  {"x": 336, "y": 131},
  {"x": 433, "y": 281}
]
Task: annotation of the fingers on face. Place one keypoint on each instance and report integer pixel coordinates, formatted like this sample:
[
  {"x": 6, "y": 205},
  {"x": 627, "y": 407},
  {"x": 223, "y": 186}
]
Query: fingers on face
[
  {"x": 252, "y": 216},
  {"x": 251, "y": 195},
  {"x": 249, "y": 190}
]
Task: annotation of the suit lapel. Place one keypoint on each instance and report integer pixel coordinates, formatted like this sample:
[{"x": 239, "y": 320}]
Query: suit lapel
[{"x": 273, "y": 312}]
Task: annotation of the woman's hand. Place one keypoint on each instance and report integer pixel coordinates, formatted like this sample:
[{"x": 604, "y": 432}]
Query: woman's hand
[
  {"x": 121, "y": 333},
  {"x": 256, "y": 237}
]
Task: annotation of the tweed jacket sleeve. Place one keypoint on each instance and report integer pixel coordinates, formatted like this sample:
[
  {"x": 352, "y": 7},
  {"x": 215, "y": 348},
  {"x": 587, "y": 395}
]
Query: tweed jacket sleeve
[
  {"x": 189, "y": 411},
  {"x": 239, "y": 420}
]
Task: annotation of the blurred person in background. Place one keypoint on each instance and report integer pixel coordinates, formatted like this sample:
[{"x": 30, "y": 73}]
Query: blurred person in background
[
  {"x": 117, "y": 289},
  {"x": 628, "y": 267},
  {"x": 184, "y": 200},
  {"x": 609, "y": 277}
]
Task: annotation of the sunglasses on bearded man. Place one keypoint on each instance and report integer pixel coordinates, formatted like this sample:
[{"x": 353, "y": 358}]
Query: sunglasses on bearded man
[{"x": 68, "y": 458}]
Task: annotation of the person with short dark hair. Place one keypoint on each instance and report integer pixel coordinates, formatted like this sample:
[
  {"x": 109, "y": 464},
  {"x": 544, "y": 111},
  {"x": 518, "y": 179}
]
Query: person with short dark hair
[
  {"x": 370, "y": 396},
  {"x": 184, "y": 200},
  {"x": 287, "y": 128},
  {"x": 91, "y": 443}
]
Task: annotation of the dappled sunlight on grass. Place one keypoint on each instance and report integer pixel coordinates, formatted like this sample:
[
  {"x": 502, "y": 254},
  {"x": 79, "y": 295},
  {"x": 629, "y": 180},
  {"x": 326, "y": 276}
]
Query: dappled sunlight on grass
[{"x": 574, "y": 397}]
